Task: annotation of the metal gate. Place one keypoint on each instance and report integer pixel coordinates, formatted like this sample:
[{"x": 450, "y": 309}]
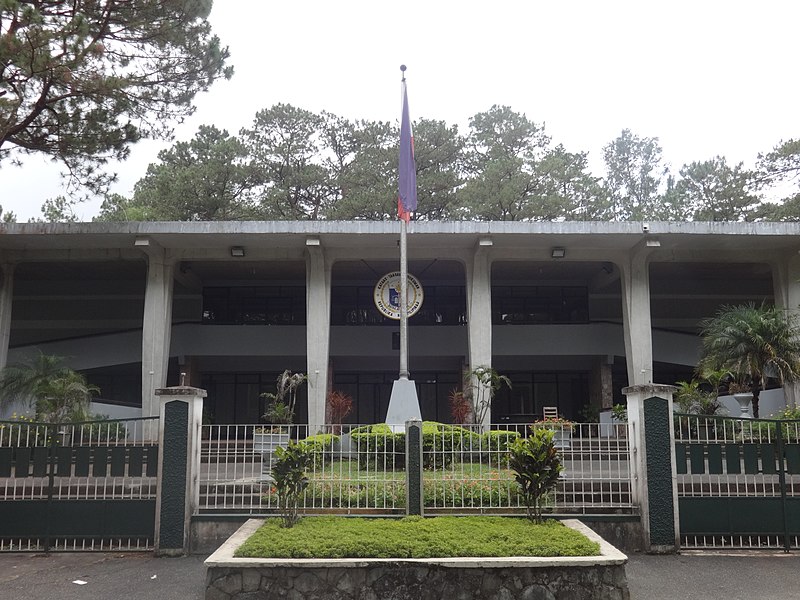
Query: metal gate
[
  {"x": 78, "y": 486},
  {"x": 738, "y": 482}
]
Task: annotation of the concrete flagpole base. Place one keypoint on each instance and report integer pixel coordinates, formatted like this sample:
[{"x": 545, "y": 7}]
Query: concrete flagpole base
[{"x": 403, "y": 404}]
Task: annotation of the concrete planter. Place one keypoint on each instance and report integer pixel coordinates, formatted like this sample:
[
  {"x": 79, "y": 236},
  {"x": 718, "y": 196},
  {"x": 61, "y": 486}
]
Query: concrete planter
[
  {"x": 514, "y": 578},
  {"x": 266, "y": 444}
]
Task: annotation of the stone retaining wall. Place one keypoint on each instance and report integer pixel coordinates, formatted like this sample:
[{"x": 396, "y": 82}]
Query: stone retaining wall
[{"x": 595, "y": 578}]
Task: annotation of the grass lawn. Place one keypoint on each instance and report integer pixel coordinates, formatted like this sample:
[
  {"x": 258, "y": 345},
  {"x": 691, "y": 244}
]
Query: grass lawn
[
  {"x": 415, "y": 537},
  {"x": 341, "y": 484}
]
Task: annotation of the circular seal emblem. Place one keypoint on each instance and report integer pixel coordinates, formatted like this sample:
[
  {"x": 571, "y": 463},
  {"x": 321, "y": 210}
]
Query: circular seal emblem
[{"x": 387, "y": 295}]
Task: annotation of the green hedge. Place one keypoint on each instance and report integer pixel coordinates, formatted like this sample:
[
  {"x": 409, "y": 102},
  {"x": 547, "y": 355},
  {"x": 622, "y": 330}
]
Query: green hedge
[
  {"x": 495, "y": 444},
  {"x": 320, "y": 444},
  {"x": 379, "y": 447}
]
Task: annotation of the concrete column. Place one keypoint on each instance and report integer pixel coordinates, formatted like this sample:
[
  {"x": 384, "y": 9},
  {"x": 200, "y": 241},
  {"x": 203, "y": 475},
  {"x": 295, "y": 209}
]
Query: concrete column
[
  {"x": 178, "y": 491},
  {"x": 636, "y": 316},
  {"x": 318, "y": 331},
  {"x": 6, "y": 298},
  {"x": 652, "y": 460},
  {"x": 156, "y": 329},
  {"x": 601, "y": 393},
  {"x": 479, "y": 309},
  {"x": 786, "y": 283}
]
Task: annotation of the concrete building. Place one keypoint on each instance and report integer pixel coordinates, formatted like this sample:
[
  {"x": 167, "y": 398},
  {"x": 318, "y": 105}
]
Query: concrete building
[{"x": 571, "y": 312}]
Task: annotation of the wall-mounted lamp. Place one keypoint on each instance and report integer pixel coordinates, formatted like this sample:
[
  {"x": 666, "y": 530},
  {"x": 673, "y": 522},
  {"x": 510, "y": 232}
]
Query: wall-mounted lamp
[
  {"x": 141, "y": 241},
  {"x": 237, "y": 251},
  {"x": 653, "y": 244},
  {"x": 558, "y": 252}
]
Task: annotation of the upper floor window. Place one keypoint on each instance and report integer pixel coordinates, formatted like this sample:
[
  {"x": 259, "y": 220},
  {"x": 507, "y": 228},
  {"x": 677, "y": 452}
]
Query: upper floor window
[
  {"x": 355, "y": 305},
  {"x": 526, "y": 305},
  {"x": 249, "y": 305}
]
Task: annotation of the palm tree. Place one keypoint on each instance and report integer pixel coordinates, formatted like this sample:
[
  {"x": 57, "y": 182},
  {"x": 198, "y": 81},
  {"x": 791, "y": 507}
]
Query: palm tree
[
  {"x": 282, "y": 402},
  {"x": 481, "y": 384},
  {"x": 754, "y": 344},
  {"x": 56, "y": 392}
]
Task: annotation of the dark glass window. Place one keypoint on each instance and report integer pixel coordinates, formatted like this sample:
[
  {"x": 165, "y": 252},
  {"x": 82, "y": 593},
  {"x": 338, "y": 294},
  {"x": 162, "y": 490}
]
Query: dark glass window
[
  {"x": 355, "y": 305},
  {"x": 527, "y": 305},
  {"x": 264, "y": 305}
]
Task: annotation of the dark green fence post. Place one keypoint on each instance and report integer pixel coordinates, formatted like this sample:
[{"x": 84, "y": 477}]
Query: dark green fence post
[
  {"x": 652, "y": 460},
  {"x": 178, "y": 467},
  {"x": 414, "y": 503}
]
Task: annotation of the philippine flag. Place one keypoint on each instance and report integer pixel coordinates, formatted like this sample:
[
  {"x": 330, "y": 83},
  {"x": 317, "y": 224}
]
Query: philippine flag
[{"x": 407, "y": 198}]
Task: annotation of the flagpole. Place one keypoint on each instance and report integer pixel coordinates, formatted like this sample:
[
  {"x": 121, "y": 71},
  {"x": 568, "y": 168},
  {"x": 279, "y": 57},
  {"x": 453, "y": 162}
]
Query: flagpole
[
  {"x": 403, "y": 403},
  {"x": 403, "y": 301},
  {"x": 403, "y": 280}
]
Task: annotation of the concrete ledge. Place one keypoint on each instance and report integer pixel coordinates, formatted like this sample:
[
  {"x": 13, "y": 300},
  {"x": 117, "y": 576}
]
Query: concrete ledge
[{"x": 587, "y": 577}]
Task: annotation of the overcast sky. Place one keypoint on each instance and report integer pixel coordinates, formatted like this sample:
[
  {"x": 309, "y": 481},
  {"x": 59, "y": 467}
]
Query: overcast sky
[{"x": 705, "y": 77}]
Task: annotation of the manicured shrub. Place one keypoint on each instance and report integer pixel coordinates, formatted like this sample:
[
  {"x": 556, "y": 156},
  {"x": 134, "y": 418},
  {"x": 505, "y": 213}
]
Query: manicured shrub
[
  {"x": 495, "y": 445},
  {"x": 319, "y": 445},
  {"x": 378, "y": 447}
]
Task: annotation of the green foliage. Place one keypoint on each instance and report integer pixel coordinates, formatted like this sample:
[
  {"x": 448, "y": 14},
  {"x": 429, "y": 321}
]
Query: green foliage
[
  {"x": 319, "y": 445},
  {"x": 713, "y": 191},
  {"x": 281, "y": 403},
  {"x": 753, "y": 343},
  {"x": 496, "y": 443},
  {"x": 346, "y": 494},
  {"x": 379, "y": 447},
  {"x": 289, "y": 473},
  {"x": 415, "y": 537},
  {"x": 692, "y": 399},
  {"x": 205, "y": 179},
  {"x": 635, "y": 178},
  {"x": 57, "y": 393},
  {"x": 292, "y": 163},
  {"x": 788, "y": 420},
  {"x": 82, "y": 81},
  {"x": 619, "y": 413},
  {"x": 536, "y": 467}
]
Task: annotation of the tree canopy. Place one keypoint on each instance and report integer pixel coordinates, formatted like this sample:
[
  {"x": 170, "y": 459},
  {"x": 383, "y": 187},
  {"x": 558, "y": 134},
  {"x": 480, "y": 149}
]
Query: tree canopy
[
  {"x": 294, "y": 164},
  {"x": 81, "y": 81}
]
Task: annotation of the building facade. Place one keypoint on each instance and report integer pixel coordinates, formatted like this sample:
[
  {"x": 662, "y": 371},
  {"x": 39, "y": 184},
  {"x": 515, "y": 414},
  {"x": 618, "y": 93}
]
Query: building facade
[{"x": 570, "y": 312}]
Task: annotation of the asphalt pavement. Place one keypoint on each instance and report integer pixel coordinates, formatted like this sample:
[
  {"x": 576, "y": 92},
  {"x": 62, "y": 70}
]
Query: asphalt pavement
[{"x": 140, "y": 576}]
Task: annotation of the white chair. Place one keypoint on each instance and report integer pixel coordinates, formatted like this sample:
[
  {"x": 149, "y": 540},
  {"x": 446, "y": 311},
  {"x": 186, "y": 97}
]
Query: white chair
[{"x": 550, "y": 412}]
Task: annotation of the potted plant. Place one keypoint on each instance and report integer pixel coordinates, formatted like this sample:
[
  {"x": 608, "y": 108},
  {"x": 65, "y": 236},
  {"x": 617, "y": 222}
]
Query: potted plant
[
  {"x": 742, "y": 393},
  {"x": 279, "y": 416},
  {"x": 561, "y": 428}
]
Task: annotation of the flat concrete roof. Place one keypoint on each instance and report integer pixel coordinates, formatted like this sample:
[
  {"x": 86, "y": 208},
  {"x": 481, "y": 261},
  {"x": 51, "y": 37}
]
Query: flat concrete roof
[{"x": 430, "y": 234}]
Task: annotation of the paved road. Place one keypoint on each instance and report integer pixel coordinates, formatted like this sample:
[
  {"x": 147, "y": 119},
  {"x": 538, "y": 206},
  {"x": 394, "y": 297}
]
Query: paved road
[{"x": 142, "y": 577}]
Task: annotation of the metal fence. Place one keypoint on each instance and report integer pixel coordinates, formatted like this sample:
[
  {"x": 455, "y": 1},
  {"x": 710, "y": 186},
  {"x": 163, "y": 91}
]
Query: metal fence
[
  {"x": 78, "y": 486},
  {"x": 738, "y": 482},
  {"x": 361, "y": 469}
]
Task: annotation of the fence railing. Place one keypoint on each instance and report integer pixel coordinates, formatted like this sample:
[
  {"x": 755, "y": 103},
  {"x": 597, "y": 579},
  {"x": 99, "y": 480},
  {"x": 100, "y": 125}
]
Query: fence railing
[
  {"x": 738, "y": 481},
  {"x": 736, "y": 457},
  {"x": 361, "y": 469},
  {"x": 101, "y": 473}
]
